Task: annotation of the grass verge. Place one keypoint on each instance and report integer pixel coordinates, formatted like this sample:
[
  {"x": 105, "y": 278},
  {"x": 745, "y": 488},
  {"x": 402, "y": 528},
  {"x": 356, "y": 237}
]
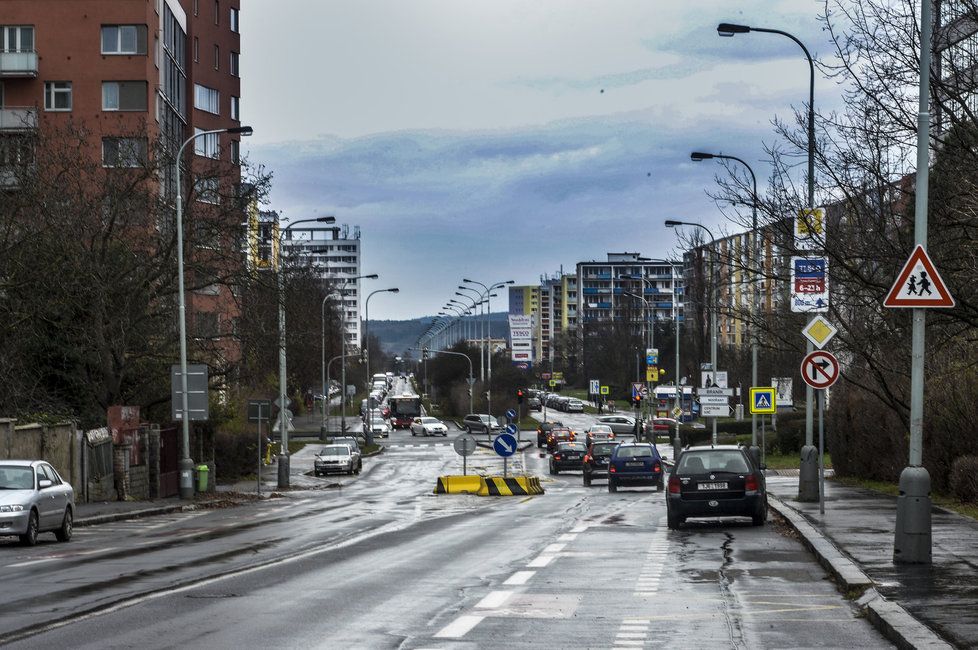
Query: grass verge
[
  {"x": 893, "y": 489},
  {"x": 791, "y": 461}
]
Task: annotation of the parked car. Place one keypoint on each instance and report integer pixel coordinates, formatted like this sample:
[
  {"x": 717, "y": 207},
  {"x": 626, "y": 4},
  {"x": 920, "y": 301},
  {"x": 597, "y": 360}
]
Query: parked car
[
  {"x": 353, "y": 443},
  {"x": 620, "y": 424},
  {"x": 378, "y": 426},
  {"x": 426, "y": 426},
  {"x": 574, "y": 405},
  {"x": 567, "y": 456},
  {"x": 720, "y": 481},
  {"x": 337, "y": 458},
  {"x": 35, "y": 499},
  {"x": 558, "y": 435},
  {"x": 543, "y": 430},
  {"x": 635, "y": 463},
  {"x": 663, "y": 425},
  {"x": 598, "y": 432},
  {"x": 562, "y": 403},
  {"x": 480, "y": 423},
  {"x": 596, "y": 460},
  {"x": 534, "y": 404}
]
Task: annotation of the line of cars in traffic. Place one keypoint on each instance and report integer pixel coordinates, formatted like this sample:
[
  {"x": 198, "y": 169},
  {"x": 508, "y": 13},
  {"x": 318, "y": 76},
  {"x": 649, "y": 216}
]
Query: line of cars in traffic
[
  {"x": 538, "y": 399},
  {"x": 705, "y": 481}
]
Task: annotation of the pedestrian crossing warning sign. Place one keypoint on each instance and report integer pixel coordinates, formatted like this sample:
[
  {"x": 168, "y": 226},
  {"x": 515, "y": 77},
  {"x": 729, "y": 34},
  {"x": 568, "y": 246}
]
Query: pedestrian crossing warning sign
[
  {"x": 763, "y": 400},
  {"x": 919, "y": 284}
]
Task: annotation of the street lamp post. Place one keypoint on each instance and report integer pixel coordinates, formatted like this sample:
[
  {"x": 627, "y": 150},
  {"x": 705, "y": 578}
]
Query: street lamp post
[
  {"x": 808, "y": 484},
  {"x": 471, "y": 376},
  {"x": 649, "y": 341},
  {"x": 366, "y": 347},
  {"x": 186, "y": 463},
  {"x": 283, "y": 421},
  {"x": 476, "y": 302},
  {"x": 488, "y": 295},
  {"x": 715, "y": 303},
  {"x": 325, "y": 375},
  {"x": 755, "y": 290}
]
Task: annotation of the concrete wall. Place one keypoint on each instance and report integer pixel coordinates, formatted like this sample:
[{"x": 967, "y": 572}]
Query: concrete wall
[{"x": 57, "y": 444}]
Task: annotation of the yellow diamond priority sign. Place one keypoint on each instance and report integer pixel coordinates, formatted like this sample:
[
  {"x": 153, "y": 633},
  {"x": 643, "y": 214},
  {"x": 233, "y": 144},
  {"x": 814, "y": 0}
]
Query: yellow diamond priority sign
[
  {"x": 763, "y": 400},
  {"x": 819, "y": 331}
]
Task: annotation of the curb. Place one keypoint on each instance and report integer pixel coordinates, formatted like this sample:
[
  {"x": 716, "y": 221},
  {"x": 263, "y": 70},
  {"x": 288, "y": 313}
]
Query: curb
[
  {"x": 95, "y": 520},
  {"x": 890, "y": 618},
  {"x": 374, "y": 453}
]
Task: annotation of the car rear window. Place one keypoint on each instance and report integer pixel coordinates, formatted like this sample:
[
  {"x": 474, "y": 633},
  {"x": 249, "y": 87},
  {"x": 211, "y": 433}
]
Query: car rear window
[
  {"x": 713, "y": 460},
  {"x": 604, "y": 449},
  {"x": 572, "y": 446},
  {"x": 633, "y": 452},
  {"x": 335, "y": 450}
]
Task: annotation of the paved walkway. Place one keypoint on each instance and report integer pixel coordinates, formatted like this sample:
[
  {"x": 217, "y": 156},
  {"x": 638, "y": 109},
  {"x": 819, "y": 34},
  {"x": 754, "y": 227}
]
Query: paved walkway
[{"x": 860, "y": 523}]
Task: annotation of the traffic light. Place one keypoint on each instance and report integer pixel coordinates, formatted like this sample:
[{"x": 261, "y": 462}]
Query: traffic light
[
  {"x": 637, "y": 400},
  {"x": 519, "y": 395}
]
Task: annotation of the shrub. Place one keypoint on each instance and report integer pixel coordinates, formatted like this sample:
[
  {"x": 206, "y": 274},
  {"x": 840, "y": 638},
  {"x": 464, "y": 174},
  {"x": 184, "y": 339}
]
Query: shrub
[
  {"x": 235, "y": 454},
  {"x": 964, "y": 478}
]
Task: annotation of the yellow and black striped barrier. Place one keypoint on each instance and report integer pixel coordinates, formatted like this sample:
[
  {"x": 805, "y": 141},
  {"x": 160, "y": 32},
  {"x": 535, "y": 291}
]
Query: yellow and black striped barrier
[{"x": 489, "y": 486}]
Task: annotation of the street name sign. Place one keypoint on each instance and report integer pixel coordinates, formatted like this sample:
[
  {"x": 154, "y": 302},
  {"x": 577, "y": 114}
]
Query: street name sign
[
  {"x": 919, "y": 284},
  {"x": 820, "y": 369},
  {"x": 713, "y": 400},
  {"x": 504, "y": 445},
  {"x": 714, "y": 410}
]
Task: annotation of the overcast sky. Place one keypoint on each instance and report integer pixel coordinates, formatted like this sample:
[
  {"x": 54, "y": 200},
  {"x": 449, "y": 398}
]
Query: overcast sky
[{"x": 501, "y": 139}]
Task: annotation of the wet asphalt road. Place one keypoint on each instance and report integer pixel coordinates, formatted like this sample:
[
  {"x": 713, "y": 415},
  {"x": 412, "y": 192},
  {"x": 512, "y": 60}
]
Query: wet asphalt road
[{"x": 382, "y": 563}]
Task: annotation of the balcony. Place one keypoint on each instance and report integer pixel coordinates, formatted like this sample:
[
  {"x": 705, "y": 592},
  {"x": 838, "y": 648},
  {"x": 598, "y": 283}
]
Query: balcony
[
  {"x": 18, "y": 64},
  {"x": 18, "y": 119}
]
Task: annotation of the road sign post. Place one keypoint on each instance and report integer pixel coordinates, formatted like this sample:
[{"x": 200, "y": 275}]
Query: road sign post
[
  {"x": 258, "y": 410},
  {"x": 464, "y": 446},
  {"x": 505, "y": 445},
  {"x": 819, "y": 369}
]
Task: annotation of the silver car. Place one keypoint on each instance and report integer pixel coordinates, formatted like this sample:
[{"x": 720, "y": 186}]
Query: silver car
[
  {"x": 428, "y": 426},
  {"x": 620, "y": 424},
  {"x": 337, "y": 458},
  {"x": 34, "y": 499}
]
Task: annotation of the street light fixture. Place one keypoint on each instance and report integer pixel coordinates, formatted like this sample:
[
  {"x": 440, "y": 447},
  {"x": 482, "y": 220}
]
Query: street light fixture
[
  {"x": 755, "y": 292},
  {"x": 670, "y": 223},
  {"x": 283, "y": 459},
  {"x": 808, "y": 485},
  {"x": 186, "y": 465}
]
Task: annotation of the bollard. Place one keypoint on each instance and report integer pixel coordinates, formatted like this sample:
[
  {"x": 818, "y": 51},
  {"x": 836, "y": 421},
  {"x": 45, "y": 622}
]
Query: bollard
[
  {"x": 808, "y": 474},
  {"x": 912, "y": 544}
]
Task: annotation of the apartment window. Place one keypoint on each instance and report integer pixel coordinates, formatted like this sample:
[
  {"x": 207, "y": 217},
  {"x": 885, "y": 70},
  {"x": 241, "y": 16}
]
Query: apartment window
[
  {"x": 208, "y": 145},
  {"x": 196, "y": 50},
  {"x": 207, "y": 190},
  {"x": 207, "y": 99},
  {"x": 234, "y": 64},
  {"x": 236, "y": 152},
  {"x": 217, "y": 57},
  {"x": 123, "y": 39},
  {"x": 124, "y": 96},
  {"x": 234, "y": 20},
  {"x": 235, "y": 108},
  {"x": 57, "y": 95},
  {"x": 17, "y": 38},
  {"x": 124, "y": 152}
]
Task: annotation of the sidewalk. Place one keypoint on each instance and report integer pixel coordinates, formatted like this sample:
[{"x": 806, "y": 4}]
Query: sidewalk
[
  {"x": 91, "y": 514},
  {"x": 915, "y": 605}
]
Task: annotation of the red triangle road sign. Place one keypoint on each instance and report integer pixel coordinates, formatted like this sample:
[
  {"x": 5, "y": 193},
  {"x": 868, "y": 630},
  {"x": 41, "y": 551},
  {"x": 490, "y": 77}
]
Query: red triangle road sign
[{"x": 919, "y": 284}]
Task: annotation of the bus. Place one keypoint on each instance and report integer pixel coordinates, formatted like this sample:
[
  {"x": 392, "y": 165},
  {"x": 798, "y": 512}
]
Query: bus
[{"x": 404, "y": 408}]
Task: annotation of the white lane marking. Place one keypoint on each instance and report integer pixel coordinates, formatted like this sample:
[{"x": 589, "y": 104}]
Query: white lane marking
[
  {"x": 567, "y": 537},
  {"x": 629, "y": 643},
  {"x": 459, "y": 627},
  {"x": 520, "y": 578},
  {"x": 63, "y": 557},
  {"x": 633, "y": 628},
  {"x": 494, "y": 599},
  {"x": 580, "y": 528},
  {"x": 540, "y": 561},
  {"x": 631, "y": 635},
  {"x": 554, "y": 548},
  {"x": 636, "y": 621}
]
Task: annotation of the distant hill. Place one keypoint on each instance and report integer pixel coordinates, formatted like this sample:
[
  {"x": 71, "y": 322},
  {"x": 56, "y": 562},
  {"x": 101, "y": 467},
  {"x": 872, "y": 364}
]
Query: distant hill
[{"x": 396, "y": 336}]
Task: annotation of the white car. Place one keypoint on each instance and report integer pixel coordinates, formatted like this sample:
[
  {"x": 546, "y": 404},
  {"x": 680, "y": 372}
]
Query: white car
[
  {"x": 379, "y": 427},
  {"x": 620, "y": 424},
  {"x": 34, "y": 499},
  {"x": 575, "y": 406},
  {"x": 425, "y": 426}
]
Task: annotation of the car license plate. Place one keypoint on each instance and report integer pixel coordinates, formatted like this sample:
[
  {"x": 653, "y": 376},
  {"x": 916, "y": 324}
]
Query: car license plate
[
  {"x": 712, "y": 486},
  {"x": 638, "y": 464},
  {"x": 573, "y": 456}
]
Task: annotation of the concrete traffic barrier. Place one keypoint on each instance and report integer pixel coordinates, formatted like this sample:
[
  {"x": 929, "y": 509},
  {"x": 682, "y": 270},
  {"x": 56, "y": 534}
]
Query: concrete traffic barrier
[
  {"x": 469, "y": 484},
  {"x": 511, "y": 486}
]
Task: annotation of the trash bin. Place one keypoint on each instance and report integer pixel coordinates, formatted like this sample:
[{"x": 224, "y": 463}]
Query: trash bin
[{"x": 202, "y": 472}]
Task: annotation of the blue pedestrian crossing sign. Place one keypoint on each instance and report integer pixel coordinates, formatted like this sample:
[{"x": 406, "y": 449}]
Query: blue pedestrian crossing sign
[
  {"x": 763, "y": 400},
  {"x": 504, "y": 445}
]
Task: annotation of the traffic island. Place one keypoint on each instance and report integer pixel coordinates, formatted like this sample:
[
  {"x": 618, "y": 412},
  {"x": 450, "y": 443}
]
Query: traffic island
[{"x": 496, "y": 486}]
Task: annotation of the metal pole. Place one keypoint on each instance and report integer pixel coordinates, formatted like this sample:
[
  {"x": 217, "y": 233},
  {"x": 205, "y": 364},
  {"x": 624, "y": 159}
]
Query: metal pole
[
  {"x": 259, "y": 451},
  {"x": 679, "y": 399},
  {"x": 186, "y": 463},
  {"x": 713, "y": 323},
  {"x": 912, "y": 539},
  {"x": 325, "y": 393},
  {"x": 821, "y": 453}
]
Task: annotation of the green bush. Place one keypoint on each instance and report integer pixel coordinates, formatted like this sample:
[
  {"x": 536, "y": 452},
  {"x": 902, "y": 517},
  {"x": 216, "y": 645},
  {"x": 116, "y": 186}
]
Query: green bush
[
  {"x": 235, "y": 454},
  {"x": 964, "y": 478}
]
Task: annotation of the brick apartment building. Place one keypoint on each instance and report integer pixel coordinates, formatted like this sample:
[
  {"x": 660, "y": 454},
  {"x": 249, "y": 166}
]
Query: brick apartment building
[{"x": 165, "y": 69}]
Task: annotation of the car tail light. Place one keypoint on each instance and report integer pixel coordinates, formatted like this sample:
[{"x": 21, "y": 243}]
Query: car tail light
[
  {"x": 673, "y": 485},
  {"x": 750, "y": 483},
  {"x": 612, "y": 469},
  {"x": 572, "y": 436},
  {"x": 656, "y": 467}
]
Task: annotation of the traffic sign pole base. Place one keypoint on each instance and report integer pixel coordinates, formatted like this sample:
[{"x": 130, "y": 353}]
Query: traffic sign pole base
[
  {"x": 912, "y": 541},
  {"x": 186, "y": 479},
  {"x": 283, "y": 470},
  {"x": 808, "y": 475},
  {"x": 323, "y": 433}
]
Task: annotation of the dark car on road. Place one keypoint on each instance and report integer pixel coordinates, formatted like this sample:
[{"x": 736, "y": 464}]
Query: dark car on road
[
  {"x": 534, "y": 404},
  {"x": 720, "y": 481},
  {"x": 558, "y": 435},
  {"x": 567, "y": 456},
  {"x": 596, "y": 460},
  {"x": 544, "y": 430},
  {"x": 635, "y": 463}
]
